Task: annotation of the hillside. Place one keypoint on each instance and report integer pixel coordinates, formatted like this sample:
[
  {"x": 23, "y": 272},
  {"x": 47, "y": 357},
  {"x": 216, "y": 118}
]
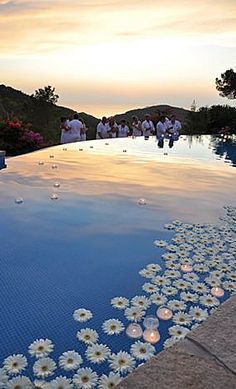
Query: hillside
[{"x": 45, "y": 117}]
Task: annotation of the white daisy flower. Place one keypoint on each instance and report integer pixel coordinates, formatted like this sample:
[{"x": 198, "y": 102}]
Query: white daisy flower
[
  {"x": 41, "y": 348},
  {"x": 178, "y": 331},
  {"x": 198, "y": 314},
  {"x": 122, "y": 362},
  {"x": 154, "y": 267},
  {"x": 85, "y": 378},
  {"x": 212, "y": 281},
  {"x": 70, "y": 360},
  {"x": 181, "y": 284},
  {"x": 109, "y": 382},
  {"x": 169, "y": 226},
  {"x": 19, "y": 383},
  {"x": 142, "y": 351},
  {"x": 229, "y": 285},
  {"x": 182, "y": 319},
  {"x": 38, "y": 384},
  {"x": 209, "y": 301},
  {"x": 172, "y": 274},
  {"x": 170, "y": 342},
  {"x": 177, "y": 222},
  {"x": 231, "y": 276},
  {"x": 120, "y": 302},
  {"x": 199, "y": 287},
  {"x": 158, "y": 299},
  {"x": 201, "y": 268},
  {"x": 141, "y": 301},
  {"x": 134, "y": 314},
  {"x": 169, "y": 257},
  {"x": 176, "y": 305},
  {"x": 191, "y": 277},
  {"x": 172, "y": 265},
  {"x": 82, "y": 315},
  {"x": 15, "y": 364},
  {"x": 160, "y": 243},
  {"x": 161, "y": 281},
  {"x": 61, "y": 383},
  {"x": 87, "y": 335},
  {"x": 149, "y": 288},
  {"x": 113, "y": 327},
  {"x": 147, "y": 273},
  {"x": 172, "y": 248},
  {"x": 187, "y": 296},
  {"x": 97, "y": 353},
  {"x": 3, "y": 379},
  {"x": 44, "y": 367},
  {"x": 169, "y": 290},
  {"x": 199, "y": 258}
]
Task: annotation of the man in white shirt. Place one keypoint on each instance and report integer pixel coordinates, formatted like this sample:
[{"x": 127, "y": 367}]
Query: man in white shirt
[
  {"x": 174, "y": 127},
  {"x": 161, "y": 131},
  {"x": 75, "y": 128},
  {"x": 123, "y": 129},
  {"x": 102, "y": 128},
  {"x": 148, "y": 127},
  {"x": 112, "y": 127}
]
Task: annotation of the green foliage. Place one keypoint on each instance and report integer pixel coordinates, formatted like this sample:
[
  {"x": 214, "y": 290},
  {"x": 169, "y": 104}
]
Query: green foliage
[
  {"x": 227, "y": 84},
  {"x": 47, "y": 95}
]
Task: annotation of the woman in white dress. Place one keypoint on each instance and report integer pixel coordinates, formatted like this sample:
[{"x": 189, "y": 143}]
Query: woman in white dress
[
  {"x": 136, "y": 127},
  {"x": 65, "y": 130}
]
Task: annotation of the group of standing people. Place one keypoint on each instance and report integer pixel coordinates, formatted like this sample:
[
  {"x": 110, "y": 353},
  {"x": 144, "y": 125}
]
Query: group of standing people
[{"x": 75, "y": 130}]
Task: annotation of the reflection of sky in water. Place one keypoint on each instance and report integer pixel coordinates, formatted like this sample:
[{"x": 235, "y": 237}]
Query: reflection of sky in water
[{"x": 88, "y": 246}]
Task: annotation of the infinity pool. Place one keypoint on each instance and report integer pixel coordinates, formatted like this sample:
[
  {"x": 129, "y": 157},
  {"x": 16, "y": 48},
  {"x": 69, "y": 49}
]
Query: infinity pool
[{"x": 79, "y": 223}]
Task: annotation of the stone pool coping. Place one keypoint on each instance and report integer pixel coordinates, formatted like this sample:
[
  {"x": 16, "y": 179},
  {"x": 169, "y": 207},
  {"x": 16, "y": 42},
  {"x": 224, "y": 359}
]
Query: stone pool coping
[{"x": 205, "y": 359}]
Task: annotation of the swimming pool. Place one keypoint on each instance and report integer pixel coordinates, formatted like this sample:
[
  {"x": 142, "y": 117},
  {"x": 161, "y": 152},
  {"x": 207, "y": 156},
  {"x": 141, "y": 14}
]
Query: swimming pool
[{"x": 78, "y": 226}]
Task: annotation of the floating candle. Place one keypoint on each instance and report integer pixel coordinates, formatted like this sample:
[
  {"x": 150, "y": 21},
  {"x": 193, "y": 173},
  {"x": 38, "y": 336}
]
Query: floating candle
[
  {"x": 151, "y": 322},
  {"x": 164, "y": 313},
  {"x": 142, "y": 202},
  {"x": 217, "y": 291},
  {"x": 186, "y": 268},
  {"x": 134, "y": 331},
  {"x": 151, "y": 336}
]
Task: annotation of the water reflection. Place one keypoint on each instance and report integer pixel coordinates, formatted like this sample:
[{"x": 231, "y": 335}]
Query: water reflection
[{"x": 225, "y": 147}]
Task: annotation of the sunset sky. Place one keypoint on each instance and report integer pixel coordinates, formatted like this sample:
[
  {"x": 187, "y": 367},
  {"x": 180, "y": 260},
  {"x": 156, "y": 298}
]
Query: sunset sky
[{"x": 106, "y": 56}]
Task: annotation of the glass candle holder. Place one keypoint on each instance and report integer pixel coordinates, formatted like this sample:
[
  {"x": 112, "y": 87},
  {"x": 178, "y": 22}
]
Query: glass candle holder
[{"x": 134, "y": 331}]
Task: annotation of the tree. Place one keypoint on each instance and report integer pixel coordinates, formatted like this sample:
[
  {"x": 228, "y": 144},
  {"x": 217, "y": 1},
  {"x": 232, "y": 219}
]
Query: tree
[
  {"x": 227, "y": 84},
  {"x": 47, "y": 95}
]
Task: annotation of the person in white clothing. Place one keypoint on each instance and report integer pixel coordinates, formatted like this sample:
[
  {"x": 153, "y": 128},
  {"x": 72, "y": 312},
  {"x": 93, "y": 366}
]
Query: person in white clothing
[
  {"x": 75, "y": 128},
  {"x": 102, "y": 129},
  {"x": 148, "y": 127},
  {"x": 65, "y": 130},
  {"x": 123, "y": 129},
  {"x": 84, "y": 130},
  {"x": 174, "y": 127},
  {"x": 161, "y": 131},
  {"x": 136, "y": 126},
  {"x": 112, "y": 127}
]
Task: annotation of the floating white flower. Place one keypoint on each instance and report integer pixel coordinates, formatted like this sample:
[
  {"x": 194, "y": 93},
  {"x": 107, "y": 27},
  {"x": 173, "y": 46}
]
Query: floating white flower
[
  {"x": 170, "y": 342},
  {"x": 110, "y": 381},
  {"x": 178, "y": 331},
  {"x": 209, "y": 301},
  {"x": 169, "y": 290},
  {"x": 70, "y": 360},
  {"x": 113, "y": 327},
  {"x": 122, "y": 362},
  {"x": 231, "y": 276},
  {"x": 120, "y": 302},
  {"x": 169, "y": 257},
  {"x": 187, "y": 296},
  {"x": 39, "y": 384},
  {"x": 158, "y": 299},
  {"x": 154, "y": 267},
  {"x": 85, "y": 378},
  {"x": 134, "y": 314},
  {"x": 172, "y": 248},
  {"x": 181, "y": 284},
  {"x": 44, "y": 367},
  {"x": 82, "y": 315},
  {"x": 229, "y": 285},
  {"x": 198, "y": 314},
  {"x": 212, "y": 281},
  {"x": 201, "y": 268},
  {"x": 41, "y": 348},
  {"x": 3, "y": 379},
  {"x": 19, "y": 383},
  {"x": 15, "y": 364},
  {"x": 143, "y": 351},
  {"x": 182, "y": 319},
  {"x": 176, "y": 305},
  {"x": 169, "y": 226},
  {"x": 161, "y": 281},
  {"x": 172, "y": 265},
  {"x": 97, "y": 353},
  {"x": 149, "y": 288},
  {"x": 61, "y": 383},
  {"x": 147, "y": 273},
  {"x": 199, "y": 287},
  {"x": 160, "y": 243},
  {"x": 191, "y": 277},
  {"x": 172, "y": 274},
  {"x": 87, "y": 335},
  {"x": 141, "y": 301}
]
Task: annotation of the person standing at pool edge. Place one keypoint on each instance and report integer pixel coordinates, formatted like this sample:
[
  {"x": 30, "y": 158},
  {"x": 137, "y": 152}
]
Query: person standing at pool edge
[
  {"x": 75, "y": 128},
  {"x": 148, "y": 127}
]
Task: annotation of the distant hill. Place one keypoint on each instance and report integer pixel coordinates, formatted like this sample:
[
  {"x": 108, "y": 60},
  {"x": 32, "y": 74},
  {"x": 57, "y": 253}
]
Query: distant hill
[
  {"x": 154, "y": 111},
  {"x": 45, "y": 117}
]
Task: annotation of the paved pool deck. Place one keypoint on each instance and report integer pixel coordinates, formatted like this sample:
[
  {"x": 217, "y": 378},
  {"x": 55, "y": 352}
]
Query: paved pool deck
[{"x": 205, "y": 359}]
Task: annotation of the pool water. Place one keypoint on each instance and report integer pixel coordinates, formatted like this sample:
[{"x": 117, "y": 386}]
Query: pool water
[{"x": 78, "y": 225}]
